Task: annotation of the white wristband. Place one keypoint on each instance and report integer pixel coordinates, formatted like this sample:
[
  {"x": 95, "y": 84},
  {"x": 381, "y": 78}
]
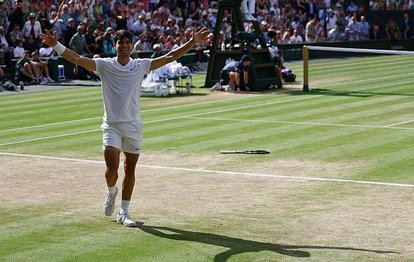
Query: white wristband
[{"x": 59, "y": 48}]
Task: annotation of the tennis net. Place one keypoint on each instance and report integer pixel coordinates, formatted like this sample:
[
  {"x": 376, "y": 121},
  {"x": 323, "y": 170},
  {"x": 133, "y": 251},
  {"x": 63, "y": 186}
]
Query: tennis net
[{"x": 358, "y": 71}]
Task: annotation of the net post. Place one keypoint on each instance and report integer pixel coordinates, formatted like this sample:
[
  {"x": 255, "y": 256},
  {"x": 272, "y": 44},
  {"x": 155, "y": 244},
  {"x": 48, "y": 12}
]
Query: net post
[{"x": 305, "y": 55}]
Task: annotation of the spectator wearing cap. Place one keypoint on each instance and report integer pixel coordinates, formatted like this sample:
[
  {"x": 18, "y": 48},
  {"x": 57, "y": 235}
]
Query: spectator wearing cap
[
  {"x": 204, "y": 20},
  {"x": 171, "y": 29},
  {"x": 346, "y": 36},
  {"x": 70, "y": 31},
  {"x": 32, "y": 28},
  {"x": 236, "y": 76},
  {"x": 108, "y": 43}
]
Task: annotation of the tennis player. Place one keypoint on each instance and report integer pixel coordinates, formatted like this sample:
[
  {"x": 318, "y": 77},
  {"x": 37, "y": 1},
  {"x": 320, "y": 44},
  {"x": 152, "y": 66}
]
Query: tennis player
[{"x": 122, "y": 126}]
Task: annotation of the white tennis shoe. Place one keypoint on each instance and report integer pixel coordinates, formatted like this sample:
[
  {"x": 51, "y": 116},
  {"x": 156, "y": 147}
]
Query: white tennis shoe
[
  {"x": 124, "y": 218},
  {"x": 109, "y": 204}
]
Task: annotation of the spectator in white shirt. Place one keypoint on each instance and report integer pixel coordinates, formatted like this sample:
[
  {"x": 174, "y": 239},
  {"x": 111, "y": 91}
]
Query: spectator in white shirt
[
  {"x": 18, "y": 51},
  {"x": 296, "y": 38}
]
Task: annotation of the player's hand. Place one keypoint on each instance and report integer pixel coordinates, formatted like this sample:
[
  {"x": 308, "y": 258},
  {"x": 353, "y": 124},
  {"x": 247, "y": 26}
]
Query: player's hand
[
  {"x": 49, "y": 38},
  {"x": 201, "y": 35}
]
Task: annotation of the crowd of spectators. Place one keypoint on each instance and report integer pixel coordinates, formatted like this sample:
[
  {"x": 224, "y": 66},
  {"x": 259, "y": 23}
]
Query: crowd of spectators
[{"x": 87, "y": 26}]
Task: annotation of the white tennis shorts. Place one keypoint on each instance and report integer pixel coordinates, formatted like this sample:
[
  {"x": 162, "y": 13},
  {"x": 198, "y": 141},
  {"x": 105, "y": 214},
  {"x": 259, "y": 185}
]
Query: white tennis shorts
[{"x": 126, "y": 136}]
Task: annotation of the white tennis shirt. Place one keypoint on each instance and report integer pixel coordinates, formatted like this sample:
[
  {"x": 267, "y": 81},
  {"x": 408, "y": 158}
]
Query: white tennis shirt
[{"x": 121, "y": 87}]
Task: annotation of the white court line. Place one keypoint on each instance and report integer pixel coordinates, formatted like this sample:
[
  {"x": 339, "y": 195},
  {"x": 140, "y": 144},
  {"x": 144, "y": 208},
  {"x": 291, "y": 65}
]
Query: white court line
[
  {"x": 298, "y": 123},
  {"x": 234, "y": 109},
  {"x": 156, "y": 121},
  {"x": 400, "y": 123},
  {"x": 50, "y": 124},
  {"x": 49, "y": 137},
  {"x": 214, "y": 101},
  {"x": 193, "y": 115},
  {"x": 143, "y": 111},
  {"x": 221, "y": 172}
]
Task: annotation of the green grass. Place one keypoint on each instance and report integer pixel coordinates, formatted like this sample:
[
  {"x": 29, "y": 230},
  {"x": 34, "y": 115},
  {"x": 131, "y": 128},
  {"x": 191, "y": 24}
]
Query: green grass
[{"x": 356, "y": 123}]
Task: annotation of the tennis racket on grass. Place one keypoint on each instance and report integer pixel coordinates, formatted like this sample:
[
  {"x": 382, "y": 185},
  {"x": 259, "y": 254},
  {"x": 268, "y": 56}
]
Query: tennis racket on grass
[{"x": 254, "y": 152}]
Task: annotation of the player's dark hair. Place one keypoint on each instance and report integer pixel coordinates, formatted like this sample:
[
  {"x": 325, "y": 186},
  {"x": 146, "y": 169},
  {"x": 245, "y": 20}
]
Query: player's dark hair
[{"x": 121, "y": 35}]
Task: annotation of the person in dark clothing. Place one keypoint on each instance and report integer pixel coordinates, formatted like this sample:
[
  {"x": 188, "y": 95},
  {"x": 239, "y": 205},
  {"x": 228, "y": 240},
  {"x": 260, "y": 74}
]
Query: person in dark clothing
[
  {"x": 236, "y": 76},
  {"x": 71, "y": 30},
  {"x": 16, "y": 16}
]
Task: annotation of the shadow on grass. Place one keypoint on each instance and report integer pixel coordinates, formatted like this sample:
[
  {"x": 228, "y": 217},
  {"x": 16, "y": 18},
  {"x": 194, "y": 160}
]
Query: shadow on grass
[
  {"x": 362, "y": 93},
  {"x": 238, "y": 246}
]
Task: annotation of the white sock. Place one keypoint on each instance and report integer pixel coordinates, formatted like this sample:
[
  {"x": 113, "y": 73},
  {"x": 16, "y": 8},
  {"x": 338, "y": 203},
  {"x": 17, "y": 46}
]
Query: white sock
[
  {"x": 112, "y": 190},
  {"x": 124, "y": 205}
]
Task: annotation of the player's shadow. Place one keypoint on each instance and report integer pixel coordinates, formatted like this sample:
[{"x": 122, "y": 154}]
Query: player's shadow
[{"x": 238, "y": 246}]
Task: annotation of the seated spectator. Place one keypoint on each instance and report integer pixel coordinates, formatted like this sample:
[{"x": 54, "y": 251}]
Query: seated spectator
[
  {"x": 333, "y": 34},
  {"x": 346, "y": 36},
  {"x": 5, "y": 49},
  {"x": 90, "y": 38},
  {"x": 26, "y": 72},
  {"x": 15, "y": 34},
  {"x": 139, "y": 26},
  {"x": 235, "y": 76},
  {"x": 392, "y": 30},
  {"x": 331, "y": 20},
  {"x": 352, "y": 8},
  {"x": 42, "y": 67},
  {"x": 107, "y": 47},
  {"x": 30, "y": 44},
  {"x": 46, "y": 51},
  {"x": 32, "y": 28},
  {"x": 70, "y": 31},
  {"x": 18, "y": 51},
  {"x": 157, "y": 51},
  {"x": 296, "y": 38},
  {"x": 78, "y": 43}
]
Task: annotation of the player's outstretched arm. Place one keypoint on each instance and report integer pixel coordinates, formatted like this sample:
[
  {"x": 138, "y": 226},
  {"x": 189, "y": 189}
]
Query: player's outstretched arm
[
  {"x": 198, "y": 37},
  {"x": 50, "y": 39}
]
